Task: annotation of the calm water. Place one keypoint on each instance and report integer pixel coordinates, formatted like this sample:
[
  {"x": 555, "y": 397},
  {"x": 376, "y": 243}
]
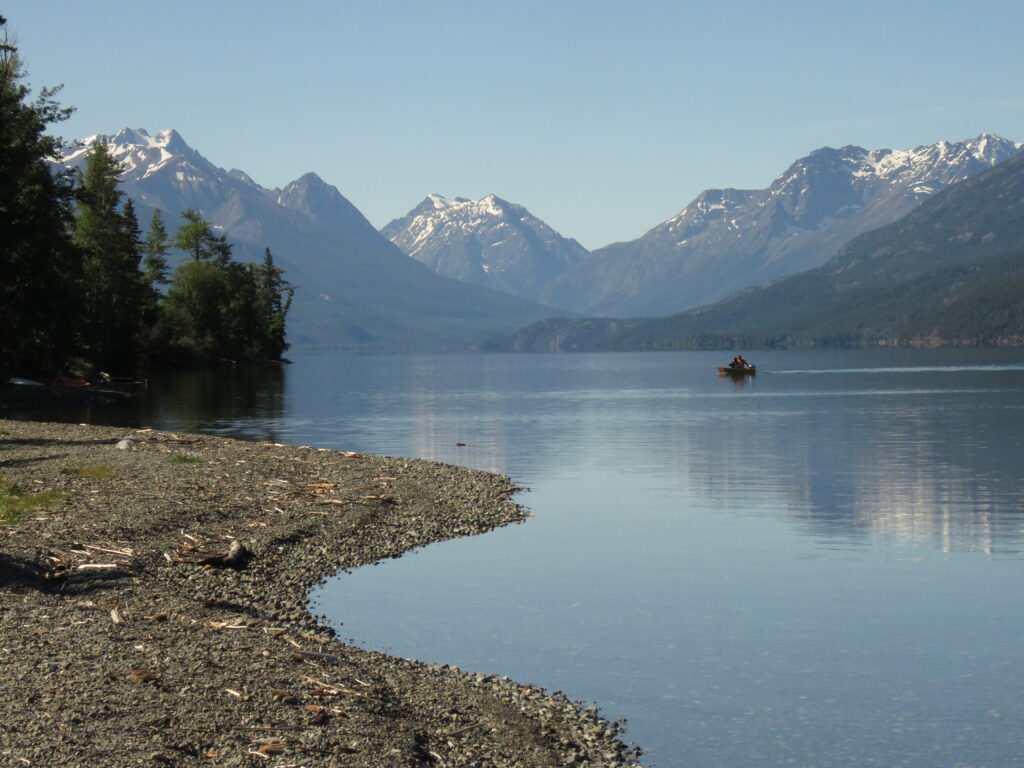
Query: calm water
[{"x": 819, "y": 567}]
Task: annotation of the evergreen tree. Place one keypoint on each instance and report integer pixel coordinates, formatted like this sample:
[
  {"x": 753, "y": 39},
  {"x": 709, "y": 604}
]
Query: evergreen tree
[
  {"x": 195, "y": 236},
  {"x": 274, "y": 300},
  {"x": 192, "y": 327},
  {"x": 114, "y": 287},
  {"x": 220, "y": 250},
  {"x": 132, "y": 239},
  {"x": 155, "y": 274},
  {"x": 217, "y": 308},
  {"x": 154, "y": 259},
  {"x": 38, "y": 262}
]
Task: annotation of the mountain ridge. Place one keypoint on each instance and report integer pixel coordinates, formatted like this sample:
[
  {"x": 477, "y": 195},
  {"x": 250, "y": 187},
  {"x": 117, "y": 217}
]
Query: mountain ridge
[
  {"x": 354, "y": 289},
  {"x": 723, "y": 241},
  {"x": 949, "y": 272},
  {"x": 726, "y": 240},
  {"x": 358, "y": 289}
]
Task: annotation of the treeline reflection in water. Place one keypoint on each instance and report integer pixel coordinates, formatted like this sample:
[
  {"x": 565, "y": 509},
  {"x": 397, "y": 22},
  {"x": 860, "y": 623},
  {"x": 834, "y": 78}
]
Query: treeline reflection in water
[{"x": 243, "y": 401}]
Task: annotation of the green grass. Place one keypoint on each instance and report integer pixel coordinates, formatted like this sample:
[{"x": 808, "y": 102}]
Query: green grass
[
  {"x": 179, "y": 459},
  {"x": 15, "y": 502},
  {"x": 93, "y": 471}
]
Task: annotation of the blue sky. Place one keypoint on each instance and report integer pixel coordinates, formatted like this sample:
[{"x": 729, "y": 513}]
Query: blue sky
[{"x": 602, "y": 118}]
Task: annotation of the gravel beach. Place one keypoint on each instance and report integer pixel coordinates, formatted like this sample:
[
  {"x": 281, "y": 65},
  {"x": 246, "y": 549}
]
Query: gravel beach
[{"x": 152, "y": 611}]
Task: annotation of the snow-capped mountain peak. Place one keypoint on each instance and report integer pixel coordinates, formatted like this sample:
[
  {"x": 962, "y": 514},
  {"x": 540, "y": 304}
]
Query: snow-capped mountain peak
[
  {"x": 440, "y": 202},
  {"x": 489, "y": 241},
  {"x": 991, "y": 147},
  {"x": 490, "y": 205},
  {"x": 953, "y": 161},
  {"x": 142, "y": 155}
]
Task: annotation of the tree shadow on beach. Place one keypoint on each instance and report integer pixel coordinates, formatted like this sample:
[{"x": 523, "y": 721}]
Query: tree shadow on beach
[
  {"x": 89, "y": 584},
  {"x": 39, "y": 442},
  {"x": 30, "y": 460},
  {"x": 7, "y": 442},
  {"x": 18, "y": 574}
]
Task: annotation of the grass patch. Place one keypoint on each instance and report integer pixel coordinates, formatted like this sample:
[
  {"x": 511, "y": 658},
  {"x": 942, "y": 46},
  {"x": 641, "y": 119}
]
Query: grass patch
[
  {"x": 181, "y": 459},
  {"x": 14, "y": 501},
  {"x": 93, "y": 471}
]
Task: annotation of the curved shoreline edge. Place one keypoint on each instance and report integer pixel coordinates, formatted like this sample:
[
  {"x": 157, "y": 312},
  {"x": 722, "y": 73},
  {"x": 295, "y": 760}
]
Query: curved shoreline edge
[{"x": 119, "y": 646}]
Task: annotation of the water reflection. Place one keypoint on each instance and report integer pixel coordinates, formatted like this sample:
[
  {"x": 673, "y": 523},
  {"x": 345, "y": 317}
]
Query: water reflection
[
  {"x": 246, "y": 402},
  {"x": 939, "y": 469},
  {"x": 785, "y": 573},
  {"x": 922, "y": 454},
  {"x": 816, "y": 567}
]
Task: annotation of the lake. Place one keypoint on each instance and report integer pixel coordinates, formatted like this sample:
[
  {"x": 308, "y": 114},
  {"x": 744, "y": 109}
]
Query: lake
[{"x": 819, "y": 566}]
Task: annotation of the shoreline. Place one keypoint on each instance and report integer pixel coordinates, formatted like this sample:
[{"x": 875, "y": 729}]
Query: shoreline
[{"x": 120, "y": 647}]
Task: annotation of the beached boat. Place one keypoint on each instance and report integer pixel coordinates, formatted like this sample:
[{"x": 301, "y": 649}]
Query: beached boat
[{"x": 725, "y": 370}]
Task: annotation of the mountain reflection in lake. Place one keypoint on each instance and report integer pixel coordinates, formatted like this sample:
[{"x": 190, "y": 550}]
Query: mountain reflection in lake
[{"x": 819, "y": 566}]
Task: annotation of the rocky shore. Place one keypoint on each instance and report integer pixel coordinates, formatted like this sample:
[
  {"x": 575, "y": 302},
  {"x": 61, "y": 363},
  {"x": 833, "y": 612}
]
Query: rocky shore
[{"x": 152, "y": 611}]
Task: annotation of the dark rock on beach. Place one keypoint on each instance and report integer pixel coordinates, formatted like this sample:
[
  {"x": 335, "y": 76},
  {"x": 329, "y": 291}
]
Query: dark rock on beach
[{"x": 153, "y": 611}]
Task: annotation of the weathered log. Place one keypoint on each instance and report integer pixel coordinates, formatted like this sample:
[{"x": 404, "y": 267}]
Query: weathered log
[{"x": 236, "y": 557}]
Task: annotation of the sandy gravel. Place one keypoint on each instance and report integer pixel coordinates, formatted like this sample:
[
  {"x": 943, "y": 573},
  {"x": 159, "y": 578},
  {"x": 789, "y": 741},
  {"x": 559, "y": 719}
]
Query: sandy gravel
[{"x": 119, "y": 647}]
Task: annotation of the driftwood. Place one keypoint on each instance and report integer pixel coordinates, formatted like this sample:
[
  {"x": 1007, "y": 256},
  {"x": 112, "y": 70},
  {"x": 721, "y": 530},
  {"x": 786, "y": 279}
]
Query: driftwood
[
  {"x": 97, "y": 566},
  {"x": 330, "y": 657},
  {"x": 236, "y": 556},
  {"x": 67, "y": 565}
]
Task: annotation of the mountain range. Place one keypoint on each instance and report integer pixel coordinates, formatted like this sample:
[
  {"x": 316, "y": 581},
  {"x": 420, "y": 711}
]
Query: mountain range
[
  {"x": 729, "y": 239},
  {"x": 950, "y": 272},
  {"x": 353, "y": 288},
  {"x": 453, "y": 272},
  {"x": 723, "y": 241}
]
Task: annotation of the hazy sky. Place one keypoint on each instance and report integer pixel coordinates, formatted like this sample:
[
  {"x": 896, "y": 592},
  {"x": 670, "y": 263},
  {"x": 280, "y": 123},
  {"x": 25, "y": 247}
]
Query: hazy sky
[{"x": 602, "y": 118}]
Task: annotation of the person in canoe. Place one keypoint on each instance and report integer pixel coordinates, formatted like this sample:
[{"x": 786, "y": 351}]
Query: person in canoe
[{"x": 739, "y": 362}]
